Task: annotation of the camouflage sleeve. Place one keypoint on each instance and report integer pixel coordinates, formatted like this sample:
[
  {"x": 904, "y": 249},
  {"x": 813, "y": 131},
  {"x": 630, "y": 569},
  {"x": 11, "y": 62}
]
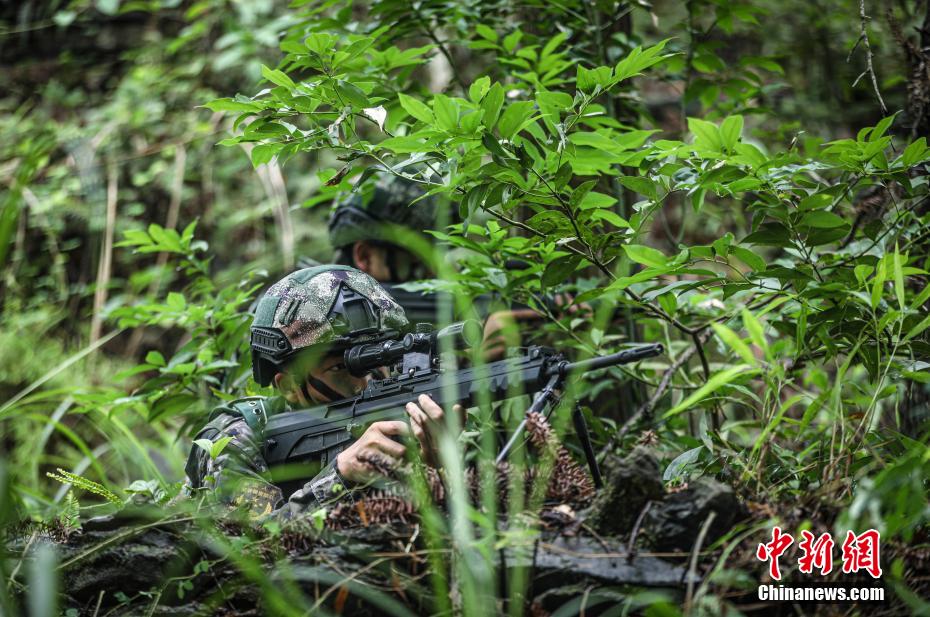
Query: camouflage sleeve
[{"x": 237, "y": 477}]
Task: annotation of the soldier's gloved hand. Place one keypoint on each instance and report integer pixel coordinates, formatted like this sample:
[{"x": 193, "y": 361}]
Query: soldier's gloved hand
[
  {"x": 427, "y": 419},
  {"x": 374, "y": 444}
]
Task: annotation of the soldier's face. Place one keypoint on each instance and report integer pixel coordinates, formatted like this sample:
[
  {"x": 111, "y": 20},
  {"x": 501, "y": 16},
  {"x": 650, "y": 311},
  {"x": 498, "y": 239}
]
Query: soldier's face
[
  {"x": 388, "y": 263},
  {"x": 329, "y": 380}
]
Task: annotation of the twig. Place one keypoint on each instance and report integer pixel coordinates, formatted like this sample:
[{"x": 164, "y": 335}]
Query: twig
[
  {"x": 869, "y": 69},
  {"x": 431, "y": 35},
  {"x": 631, "y": 546},
  {"x": 99, "y": 602},
  {"x": 692, "y": 566},
  {"x": 104, "y": 267},
  {"x": 648, "y": 406},
  {"x": 345, "y": 581}
]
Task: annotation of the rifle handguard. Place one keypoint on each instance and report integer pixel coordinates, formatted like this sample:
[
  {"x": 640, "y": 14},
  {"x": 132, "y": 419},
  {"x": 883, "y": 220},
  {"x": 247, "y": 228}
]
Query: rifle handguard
[{"x": 635, "y": 354}]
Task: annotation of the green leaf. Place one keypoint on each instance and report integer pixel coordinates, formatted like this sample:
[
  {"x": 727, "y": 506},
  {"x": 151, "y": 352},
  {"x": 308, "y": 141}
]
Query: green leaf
[
  {"x": 204, "y": 444},
  {"x": 511, "y": 40},
  {"x": 155, "y": 358},
  {"x": 277, "y": 77},
  {"x": 478, "y": 89},
  {"x": 815, "y": 202},
  {"x": 587, "y": 80},
  {"x": 734, "y": 342},
  {"x": 822, "y": 219},
  {"x": 717, "y": 381},
  {"x": 749, "y": 258},
  {"x": 897, "y": 258},
  {"x": 640, "y": 185},
  {"x": 756, "y": 331},
  {"x": 560, "y": 269},
  {"x": 352, "y": 93},
  {"x": 920, "y": 327},
  {"x": 915, "y": 152},
  {"x": 611, "y": 217},
  {"x": 176, "y": 301},
  {"x": 108, "y": 7},
  {"x": 594, "y": 200},
  {"x": 697, "y": 199},
  {"x": 677, "y": 469},
  {"x": 770, "y": 234},
  {"x": 494, "y": 147},
  {"x": 513, "y": 117},
  {"x": 486, "y": 32},
  {"x": 730, "y": 131},
  {"x": 878, "y": 286},
  {"x": 640, "y": 277},
  {"x": 446, "y": 111},
  {"x": 706, "y": 134},
  {"x": 263, "y": 153},
  {"x": 881, "y": 127},
  {"x": 491, "y": 104},
  {"x": 645, "y": 255},
  {"x": 579, "y": 194},
  {"x": 639, "y": 60},
  {"x": 632, "y": 139},
  {"x": 232, "y": 105},
  {"x": 218, "y": 446},
  {"x": 416, "y": 108}
]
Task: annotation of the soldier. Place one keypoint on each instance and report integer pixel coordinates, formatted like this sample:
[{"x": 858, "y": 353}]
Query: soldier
[
  {"x": 371, "y": 229},
  {"x": 301, "y": 328}
]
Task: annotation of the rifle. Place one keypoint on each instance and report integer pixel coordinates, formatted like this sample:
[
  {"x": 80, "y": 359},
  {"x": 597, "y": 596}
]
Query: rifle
[{"x": 319, "y": 434}]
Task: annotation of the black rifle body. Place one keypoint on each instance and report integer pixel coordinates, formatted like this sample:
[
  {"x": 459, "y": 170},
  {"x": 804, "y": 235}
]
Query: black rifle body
[{"x": 318, "y": 434}]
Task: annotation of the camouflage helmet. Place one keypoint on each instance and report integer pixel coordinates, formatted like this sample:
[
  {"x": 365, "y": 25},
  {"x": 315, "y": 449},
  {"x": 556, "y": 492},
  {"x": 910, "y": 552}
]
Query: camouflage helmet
[
  {"x": 375, "y": 211},
  {"x": 323, "y": 308}
]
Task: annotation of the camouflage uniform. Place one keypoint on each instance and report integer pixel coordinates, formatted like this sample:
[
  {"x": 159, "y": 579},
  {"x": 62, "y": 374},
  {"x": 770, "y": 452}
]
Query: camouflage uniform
[
  {"x": 238, "y": 476},
  {"x": 328, "y": 306}
]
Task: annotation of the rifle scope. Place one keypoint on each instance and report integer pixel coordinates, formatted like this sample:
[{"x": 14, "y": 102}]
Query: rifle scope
[{"x": 362, "y": 358}]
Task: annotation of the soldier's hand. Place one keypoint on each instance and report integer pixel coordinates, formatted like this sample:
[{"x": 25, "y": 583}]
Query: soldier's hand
[
  {"x": 427, "y": 419},
  {"x": 375, "y": 443},
  {"x": 501, "y": 331}
]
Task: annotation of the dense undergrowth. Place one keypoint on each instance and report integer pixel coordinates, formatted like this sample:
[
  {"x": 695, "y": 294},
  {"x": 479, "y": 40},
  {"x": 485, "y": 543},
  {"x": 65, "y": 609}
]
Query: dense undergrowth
[{"x": 683, "y": 171}]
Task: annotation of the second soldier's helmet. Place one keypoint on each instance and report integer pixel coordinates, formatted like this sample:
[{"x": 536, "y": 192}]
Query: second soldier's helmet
[
  {"x": 376, "y": 211},
  {"x": 322, "y": 309}
]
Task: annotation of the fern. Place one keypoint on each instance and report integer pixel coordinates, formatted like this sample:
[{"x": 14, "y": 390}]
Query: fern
[
  {"x": 70, "y": 515},
  {"x": 66, "y": 477}
]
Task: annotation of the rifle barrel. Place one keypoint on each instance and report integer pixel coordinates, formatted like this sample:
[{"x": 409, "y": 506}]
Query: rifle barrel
[{"x": 621, "y": 357}]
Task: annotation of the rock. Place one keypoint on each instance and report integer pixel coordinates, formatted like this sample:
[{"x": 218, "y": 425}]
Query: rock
[
  {"x": 674, "y": 523},
  {"x": 629, "y": 484},
  {"x": 133, "y": 566},
  {"x": 578, "y": 558}
]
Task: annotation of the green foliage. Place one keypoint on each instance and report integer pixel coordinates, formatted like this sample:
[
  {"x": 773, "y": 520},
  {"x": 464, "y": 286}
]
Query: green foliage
[
  {"x": 86, "y": 485},
  {"x": 768, "y": 225}
]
